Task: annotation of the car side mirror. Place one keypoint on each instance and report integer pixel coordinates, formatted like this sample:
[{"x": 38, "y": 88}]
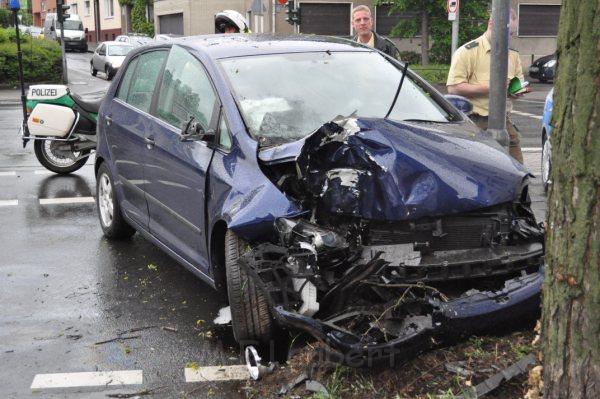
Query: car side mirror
[
  {"x": 462, "y": 103},
  {"x": 86, "y": 30},
  {"x": 193, "y": 130}
]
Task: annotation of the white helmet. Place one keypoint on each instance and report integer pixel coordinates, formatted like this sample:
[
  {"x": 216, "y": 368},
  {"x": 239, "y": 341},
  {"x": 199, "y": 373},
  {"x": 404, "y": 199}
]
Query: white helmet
[{"x": 230, "y": 18}]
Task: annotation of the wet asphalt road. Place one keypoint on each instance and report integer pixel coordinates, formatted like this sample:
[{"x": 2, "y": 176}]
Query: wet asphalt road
[{"x": 63, "y": 287}]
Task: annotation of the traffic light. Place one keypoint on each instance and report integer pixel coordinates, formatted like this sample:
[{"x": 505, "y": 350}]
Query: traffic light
[
  {"x": 293, "y": 14},
  {"x": 62, "y": 10}
]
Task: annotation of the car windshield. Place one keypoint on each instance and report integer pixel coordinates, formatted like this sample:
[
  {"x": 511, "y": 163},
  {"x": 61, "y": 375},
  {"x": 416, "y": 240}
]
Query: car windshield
[
  {"x": 73, "y": 25},
  {"x": 314, "y": 88},
  {"x": 119, "y": 49}
]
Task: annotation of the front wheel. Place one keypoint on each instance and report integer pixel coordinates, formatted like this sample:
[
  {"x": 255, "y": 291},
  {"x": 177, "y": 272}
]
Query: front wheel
[
  {"x": 55, "y": 158},
  {"x": 93, "y": 70},
  {"x": 250, "y": 316}
]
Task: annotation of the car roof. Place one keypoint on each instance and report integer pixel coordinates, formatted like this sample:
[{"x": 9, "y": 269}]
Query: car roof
[
  {"x": 113, "y": 43},
  {"x": 237, "y": 45}
]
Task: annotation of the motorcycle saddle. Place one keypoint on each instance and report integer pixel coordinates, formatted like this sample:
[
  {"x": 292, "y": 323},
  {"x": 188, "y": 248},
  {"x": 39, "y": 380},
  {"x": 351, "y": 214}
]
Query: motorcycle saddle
[{"x": 88, "y": 104}]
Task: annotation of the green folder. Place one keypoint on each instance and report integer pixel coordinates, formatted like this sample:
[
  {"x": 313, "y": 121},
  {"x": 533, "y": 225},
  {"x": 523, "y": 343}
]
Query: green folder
[{"x": 515, "y": 86}]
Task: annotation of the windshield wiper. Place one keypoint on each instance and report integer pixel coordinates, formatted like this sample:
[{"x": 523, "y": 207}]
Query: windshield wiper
[{"x": 398, "y": 91}]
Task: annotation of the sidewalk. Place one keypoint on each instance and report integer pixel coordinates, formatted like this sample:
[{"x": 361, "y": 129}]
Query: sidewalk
[{"x": 11, "y": 96}]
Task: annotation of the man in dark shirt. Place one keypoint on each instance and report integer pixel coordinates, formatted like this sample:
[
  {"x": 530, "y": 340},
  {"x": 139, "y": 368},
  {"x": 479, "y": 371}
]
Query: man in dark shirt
[{"x": 362, "y": 22}]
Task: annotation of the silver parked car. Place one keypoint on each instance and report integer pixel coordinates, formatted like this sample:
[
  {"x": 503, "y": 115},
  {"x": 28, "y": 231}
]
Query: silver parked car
[{"x": 108, "y": 58}]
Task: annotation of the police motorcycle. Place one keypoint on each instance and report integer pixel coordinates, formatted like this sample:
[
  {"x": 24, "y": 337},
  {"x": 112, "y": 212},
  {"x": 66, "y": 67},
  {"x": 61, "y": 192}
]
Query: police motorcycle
[{"x": 62, "y": 126}]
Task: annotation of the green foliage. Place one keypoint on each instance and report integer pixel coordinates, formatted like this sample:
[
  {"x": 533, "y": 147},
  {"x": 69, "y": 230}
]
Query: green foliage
[
  {"x": 433, "y": 73},
  {"x": 410, "y": 56},
  {"x": 138, "y": 18},
  {"x": 41, "y": 59},
  {"x": 6, "y": 18},
  {"x": 473, "y": 22}
]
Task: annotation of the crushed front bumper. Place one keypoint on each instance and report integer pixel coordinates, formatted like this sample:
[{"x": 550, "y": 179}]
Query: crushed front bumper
[{"x": 473, "y": 312}]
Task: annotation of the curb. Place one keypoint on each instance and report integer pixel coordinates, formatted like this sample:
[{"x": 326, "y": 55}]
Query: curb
[{"x": 7, "y": 103}]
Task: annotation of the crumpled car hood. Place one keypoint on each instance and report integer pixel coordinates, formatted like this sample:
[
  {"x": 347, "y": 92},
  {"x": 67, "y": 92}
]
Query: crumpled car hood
[{"x": 384, "y": 170}]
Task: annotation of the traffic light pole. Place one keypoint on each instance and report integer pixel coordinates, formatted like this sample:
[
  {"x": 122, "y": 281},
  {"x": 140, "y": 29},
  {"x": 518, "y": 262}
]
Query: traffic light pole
[
  {"x": 21, "y": 77},
  {"x": 64, "y": 53}
]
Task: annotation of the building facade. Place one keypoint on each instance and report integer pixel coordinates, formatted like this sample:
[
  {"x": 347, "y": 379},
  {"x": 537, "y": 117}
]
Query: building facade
[{"x": 538, "y": 25}]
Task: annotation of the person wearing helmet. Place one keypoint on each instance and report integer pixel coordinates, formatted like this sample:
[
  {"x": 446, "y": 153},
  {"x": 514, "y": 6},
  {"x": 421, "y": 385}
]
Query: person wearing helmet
[{"x": 230, "y": 21}]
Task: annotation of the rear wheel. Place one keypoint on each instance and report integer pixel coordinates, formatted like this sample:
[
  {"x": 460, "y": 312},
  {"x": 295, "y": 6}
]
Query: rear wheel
[
  {"x": 109, "y": 73},
  {"x": 55, "y": 158},
  {"x": 250, "y": 315},
  {"x": 112, "y": 222},
  {"x": 93, "y": 70}
]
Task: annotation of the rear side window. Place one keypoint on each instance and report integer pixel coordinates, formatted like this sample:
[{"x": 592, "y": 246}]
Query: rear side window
[
  {"x": 186, "y": 91},
  {"x": 126, "y": 81},
  {"x": 143, "y": 79}
]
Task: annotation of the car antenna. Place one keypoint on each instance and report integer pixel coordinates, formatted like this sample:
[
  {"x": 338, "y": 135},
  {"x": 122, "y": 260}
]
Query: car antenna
[{"x": 398, "y": 91}]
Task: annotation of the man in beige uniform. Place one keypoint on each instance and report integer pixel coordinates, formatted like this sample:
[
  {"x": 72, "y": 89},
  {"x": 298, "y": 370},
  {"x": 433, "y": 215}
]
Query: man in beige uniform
[{"x": 469, "y": 76}]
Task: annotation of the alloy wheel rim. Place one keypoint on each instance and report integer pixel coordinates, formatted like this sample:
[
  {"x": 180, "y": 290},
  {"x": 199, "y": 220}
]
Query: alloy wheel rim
[
  {"x": 546, "y": 154},
  {"x": 105, "y": 202}
]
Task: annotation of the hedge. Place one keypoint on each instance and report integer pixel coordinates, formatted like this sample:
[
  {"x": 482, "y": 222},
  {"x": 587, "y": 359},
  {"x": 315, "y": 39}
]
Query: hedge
[
  {"x": 41, "y": 59},
  {"x": 433, "y": 73}
]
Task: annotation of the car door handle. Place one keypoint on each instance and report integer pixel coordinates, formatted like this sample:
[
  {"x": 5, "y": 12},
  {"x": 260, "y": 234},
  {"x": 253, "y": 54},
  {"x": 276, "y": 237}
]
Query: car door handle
[
  {"x": 149, "y": 142},
  {"x": 108, "y": 120}
]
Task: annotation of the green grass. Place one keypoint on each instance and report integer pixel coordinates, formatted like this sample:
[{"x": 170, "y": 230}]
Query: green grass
[{"x": 433, "y": 73}]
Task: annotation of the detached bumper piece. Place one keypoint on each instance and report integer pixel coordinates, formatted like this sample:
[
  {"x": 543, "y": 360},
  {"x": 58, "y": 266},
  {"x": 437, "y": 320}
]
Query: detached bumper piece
[{"x": 369, "y": 315}]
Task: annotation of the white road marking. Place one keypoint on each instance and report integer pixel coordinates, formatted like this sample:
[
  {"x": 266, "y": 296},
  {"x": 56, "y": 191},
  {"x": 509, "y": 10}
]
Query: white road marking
[
  {"x": 9, "y": 173},
  {"x": 527, "y": 114},
  {"x": 9, "y": 202},
  {"x": 87, "y": 379},
  {"x": 217, "y": 373},
  {"x": 531, "y": 101},
  {"x": 43, "y": 172},
  {"x": 531, "y": 149},
  {"x": 71, "y": 200}
]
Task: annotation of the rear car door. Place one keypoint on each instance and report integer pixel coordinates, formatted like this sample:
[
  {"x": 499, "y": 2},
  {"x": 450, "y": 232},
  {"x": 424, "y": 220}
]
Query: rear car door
[
  {"x": 176, "y": 170},
  {"x": 128, "y": 119}
]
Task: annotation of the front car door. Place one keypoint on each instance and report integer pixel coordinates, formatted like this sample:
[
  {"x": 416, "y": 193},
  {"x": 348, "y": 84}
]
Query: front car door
[
  {"x": 176, "y": 169},
  {"x": 97, "y": 59},
  {"x": 129, "y": 120}
]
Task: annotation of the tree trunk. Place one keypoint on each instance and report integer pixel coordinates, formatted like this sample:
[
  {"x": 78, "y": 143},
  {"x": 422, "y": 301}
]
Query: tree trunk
[
  {"x": 571, "y": 295},
  {"x": 424, "y": 37}
]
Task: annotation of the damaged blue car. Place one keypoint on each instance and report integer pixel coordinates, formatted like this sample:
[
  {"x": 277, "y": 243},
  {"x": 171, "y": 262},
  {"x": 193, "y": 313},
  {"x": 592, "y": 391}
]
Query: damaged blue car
[{"x": 324, "y": 187}]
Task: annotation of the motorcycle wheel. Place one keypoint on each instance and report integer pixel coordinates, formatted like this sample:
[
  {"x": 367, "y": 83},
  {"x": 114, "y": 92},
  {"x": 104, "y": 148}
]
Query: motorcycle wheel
[{"x": 46, "y": 151}]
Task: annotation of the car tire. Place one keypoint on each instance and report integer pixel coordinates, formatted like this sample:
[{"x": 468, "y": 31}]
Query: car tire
[
  {"x": 250, "y": 316},
  {"x": 112, "y": 222},
  {"x": 93, "y": 70},
  {"x": 109, "y": 73},
  {"x": 546, "y": 162}
]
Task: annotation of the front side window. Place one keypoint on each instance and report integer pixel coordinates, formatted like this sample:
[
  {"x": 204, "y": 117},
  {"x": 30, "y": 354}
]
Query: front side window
[
  {"x": 186, "y": 91},
  {"x": 315, "y": 88},
  {"x": 126, "y": 81},
  {"x": 143, "y": 80}
]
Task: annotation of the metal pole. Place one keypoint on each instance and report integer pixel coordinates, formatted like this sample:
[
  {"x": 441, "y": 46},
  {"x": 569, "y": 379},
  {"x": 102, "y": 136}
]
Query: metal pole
[
  {"x": 21, "y": 78},
  {"x": 455, "y": 24},
  {"x": 274, "y": 7},
  {"x": 499, "y": 71},
  {"x": 64, "y": 53},
  {"x": 296, "y": 26}
]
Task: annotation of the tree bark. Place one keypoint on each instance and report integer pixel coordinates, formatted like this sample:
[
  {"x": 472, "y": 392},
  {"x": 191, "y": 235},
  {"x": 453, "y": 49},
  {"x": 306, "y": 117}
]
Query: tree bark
[
  {"x": 424, "y": 37},
  {"x": 571, "y": 294}
]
